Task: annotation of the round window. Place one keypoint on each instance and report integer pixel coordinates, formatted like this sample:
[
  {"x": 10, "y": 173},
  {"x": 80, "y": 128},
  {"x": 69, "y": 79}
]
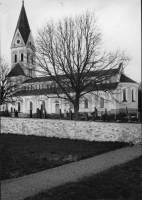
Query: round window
[{"x": 18, "y": 41}]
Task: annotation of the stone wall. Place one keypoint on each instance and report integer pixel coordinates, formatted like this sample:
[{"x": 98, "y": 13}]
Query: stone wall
[{"x": 83, "y": 130}]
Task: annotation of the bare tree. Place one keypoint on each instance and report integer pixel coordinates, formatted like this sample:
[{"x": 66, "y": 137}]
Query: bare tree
[
  {"x": 71, "y": 53},
  {"x": 140, "y": 98},
  {"x": 7, "y": 85}
]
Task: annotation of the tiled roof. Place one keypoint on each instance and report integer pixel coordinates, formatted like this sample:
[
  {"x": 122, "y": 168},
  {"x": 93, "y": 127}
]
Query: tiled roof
[
  {"x": 34, "y": 92},
  {"x": 125, "y": 79},
  {"x": 16, "y": 71},
  {"x": 38, "y": 79},
  {"x": 91, "y": 74},
  {"x": 23, "y": 25},
  {"x": 47, "y": 91}
]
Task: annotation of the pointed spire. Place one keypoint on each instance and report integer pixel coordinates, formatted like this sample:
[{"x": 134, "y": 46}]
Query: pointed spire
[{"x": 23, "y": 24}]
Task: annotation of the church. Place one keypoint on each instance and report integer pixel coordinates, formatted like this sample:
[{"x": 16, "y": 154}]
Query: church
[{"x": 35, "y": 91}]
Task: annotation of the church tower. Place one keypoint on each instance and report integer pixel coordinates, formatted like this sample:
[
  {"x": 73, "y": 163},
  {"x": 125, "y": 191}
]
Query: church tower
[{"x": 22, "y": 56}]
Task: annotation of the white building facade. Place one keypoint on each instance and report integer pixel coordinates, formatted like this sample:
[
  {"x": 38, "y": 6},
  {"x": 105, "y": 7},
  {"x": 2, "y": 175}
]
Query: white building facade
[{"x": 36, "y": 91}]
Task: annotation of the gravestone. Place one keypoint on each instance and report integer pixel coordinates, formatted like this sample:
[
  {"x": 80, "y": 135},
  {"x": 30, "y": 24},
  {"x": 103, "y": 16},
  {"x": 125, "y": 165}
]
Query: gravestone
[
  {"x": 86, "y": 117},
  {"x": 41, "y": 111},
  {"x": 65, "y": 113},
  {"x": 93, "y": 116},
  {"x": 30, "y": 113},
  {"x": 96, "y": 112},
  {"x": 60, "y": 113},
  {"x": 37, "y": 112},
  {"x": 71, "y": 115},
  {"x": 16, "y": 113},
  {"x": 105, "y": 114}
]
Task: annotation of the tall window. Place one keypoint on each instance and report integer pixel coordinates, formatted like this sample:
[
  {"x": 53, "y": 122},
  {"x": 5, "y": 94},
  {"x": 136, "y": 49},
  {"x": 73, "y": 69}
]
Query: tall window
[
  {"x": 30, "y": 72},
  {"x": 19, "y": 107},
  {"x": 101, "y": 102},
  {"x": 124, "y": 95},
  {"x": 133, "y": 97},
  {"x": 22, "y": 57},
  {"x": 86, "y": 103},
  {"x": 15, "y": 58}
]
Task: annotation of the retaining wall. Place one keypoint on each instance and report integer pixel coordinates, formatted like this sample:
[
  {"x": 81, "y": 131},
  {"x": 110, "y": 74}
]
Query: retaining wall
[{"x": 83, "y": 130}]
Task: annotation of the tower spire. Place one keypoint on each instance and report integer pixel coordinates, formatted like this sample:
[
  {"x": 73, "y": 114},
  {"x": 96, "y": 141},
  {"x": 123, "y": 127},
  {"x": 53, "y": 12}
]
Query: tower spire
[{"x": 23, "y": 24}]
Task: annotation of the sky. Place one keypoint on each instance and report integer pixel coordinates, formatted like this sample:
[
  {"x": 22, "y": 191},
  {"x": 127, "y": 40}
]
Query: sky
[{"x": 119, "y": 20}]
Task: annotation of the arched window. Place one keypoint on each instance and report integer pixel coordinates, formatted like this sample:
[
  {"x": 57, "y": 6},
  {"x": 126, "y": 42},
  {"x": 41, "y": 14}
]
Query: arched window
[
  {"x": 101, "y": 102},
  {"x": 133, "y": 95},
  {"x": 124, "y": 95},
  {"x": 86, "y": 103},
  {"x": 19, "y": 106},
  {"x": 15, "y": 58},
  {"x": 22, "y": 57},
  {"x": 35, "y": 87}
]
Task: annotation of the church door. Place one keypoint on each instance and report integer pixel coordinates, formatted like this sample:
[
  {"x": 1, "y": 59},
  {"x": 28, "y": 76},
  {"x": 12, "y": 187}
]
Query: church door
[{"x": 57, "y": 110}]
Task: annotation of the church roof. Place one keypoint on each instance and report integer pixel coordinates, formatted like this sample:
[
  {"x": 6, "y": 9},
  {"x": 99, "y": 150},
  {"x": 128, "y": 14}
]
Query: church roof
[
  {"x": 16, "y": 71},
  {"x": 23, "y": 24},
  {"x": 46, "y": 91},
  {"x": 110, "y": 72},
  {"x": 125, "y": 79}
]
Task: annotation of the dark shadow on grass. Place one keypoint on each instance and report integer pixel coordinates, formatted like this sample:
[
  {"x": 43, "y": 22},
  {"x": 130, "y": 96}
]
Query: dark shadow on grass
[{"x": 22, "y": 155}]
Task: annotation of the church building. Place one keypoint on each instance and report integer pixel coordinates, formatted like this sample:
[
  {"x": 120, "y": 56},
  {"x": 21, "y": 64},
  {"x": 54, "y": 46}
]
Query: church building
[{"x": 35, "y": 91}]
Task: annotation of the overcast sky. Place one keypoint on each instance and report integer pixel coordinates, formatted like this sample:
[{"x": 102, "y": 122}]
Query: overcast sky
[{"x": 120, "y": 21}]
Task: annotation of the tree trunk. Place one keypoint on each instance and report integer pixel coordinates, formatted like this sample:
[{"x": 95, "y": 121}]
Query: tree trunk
[{"x": 76, "y": 109}]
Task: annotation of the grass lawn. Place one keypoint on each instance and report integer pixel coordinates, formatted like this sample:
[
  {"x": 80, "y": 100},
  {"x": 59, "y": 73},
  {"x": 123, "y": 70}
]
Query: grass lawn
[
  {"x": 22, "y": 155},
  {"x": 120, "y": 182}
]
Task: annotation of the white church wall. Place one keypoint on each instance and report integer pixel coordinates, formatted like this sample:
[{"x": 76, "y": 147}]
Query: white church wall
[
  {"x": 131, "y": 105},
  {"x": 110, "y": 104}
]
